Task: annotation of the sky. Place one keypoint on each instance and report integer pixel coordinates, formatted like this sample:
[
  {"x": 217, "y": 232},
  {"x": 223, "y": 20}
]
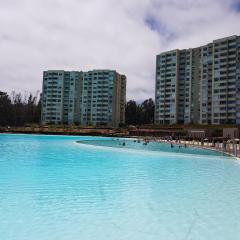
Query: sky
[{"x": 122, "y": 35}]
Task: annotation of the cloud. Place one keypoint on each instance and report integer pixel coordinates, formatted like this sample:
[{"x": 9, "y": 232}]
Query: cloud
[{"x": 88, "y": 34}]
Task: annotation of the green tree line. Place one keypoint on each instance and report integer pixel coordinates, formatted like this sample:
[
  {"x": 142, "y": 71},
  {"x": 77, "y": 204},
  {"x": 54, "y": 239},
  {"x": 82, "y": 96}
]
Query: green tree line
[
  {"x": 140, "y": 113},
  {"x": 17, "y": 109}
]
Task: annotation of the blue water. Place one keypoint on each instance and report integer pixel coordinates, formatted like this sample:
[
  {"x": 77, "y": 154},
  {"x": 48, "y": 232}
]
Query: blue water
[
  {"x": 54, "y": 188},
  {"x": 151, "y": 146}
]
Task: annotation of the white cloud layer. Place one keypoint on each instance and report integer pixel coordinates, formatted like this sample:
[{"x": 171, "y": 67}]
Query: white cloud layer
[{"x": 37, "y": 35}]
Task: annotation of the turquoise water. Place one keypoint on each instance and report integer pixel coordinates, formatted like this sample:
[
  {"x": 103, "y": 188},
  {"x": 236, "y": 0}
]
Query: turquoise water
[
  {"x": 54, "y": 188},
  {"x": 151, "y": 146}
]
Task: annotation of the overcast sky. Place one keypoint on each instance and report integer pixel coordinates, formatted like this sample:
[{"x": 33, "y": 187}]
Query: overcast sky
[{"x": 124, "y": 35}]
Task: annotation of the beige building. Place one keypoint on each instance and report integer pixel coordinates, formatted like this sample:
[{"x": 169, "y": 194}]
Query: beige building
[
  {"x": 199, "y": 85},
  {"x": 87, "y": 98}
]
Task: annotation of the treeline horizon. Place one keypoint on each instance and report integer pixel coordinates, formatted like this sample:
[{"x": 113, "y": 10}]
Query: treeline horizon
[
  {"x": 18, "y": 109},
  {"x": 139, "y": 113}
]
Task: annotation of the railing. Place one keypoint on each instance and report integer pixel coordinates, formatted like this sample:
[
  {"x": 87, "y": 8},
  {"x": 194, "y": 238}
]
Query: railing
[
  {"x": 227, "y": 148},
  {"x": 230, "y": 148}
]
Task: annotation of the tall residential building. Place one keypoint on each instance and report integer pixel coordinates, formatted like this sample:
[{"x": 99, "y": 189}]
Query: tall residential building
[
  {"x": 199, "y": 85},
  {"x": 87, "y": 98},
  {"x": 177, "y": 79},
  {"x": 226, "y": 81},
  {"x": 167, "y": 79},
  {"x": 103, "y": 98},
  {"x": 206, "y": 73},
  {"x": 60, "y": 96}
]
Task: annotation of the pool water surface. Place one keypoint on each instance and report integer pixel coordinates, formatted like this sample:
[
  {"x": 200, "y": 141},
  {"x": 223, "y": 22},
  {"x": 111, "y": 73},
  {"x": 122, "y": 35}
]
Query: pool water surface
[{"x": 52, "y": 187}]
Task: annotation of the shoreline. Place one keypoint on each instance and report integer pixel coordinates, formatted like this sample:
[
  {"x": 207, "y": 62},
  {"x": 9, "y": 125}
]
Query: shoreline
[
  {"x": 198, "y": 145},
  {"x": 70, "y": 132},
  {"x": 120, "y": 134}
]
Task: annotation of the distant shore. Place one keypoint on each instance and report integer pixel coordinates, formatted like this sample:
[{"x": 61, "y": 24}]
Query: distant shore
[
  {"x": 67, "y": 131},
  {"x": 151, "y": 130}
]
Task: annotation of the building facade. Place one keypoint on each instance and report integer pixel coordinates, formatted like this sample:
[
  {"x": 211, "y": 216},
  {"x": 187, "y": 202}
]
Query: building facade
[
  {"x": 86, "y": 98},
  {"x": 199, "y": 85},
  {"x": 103, "y": 98},
  {"x": 206, "y": 73},
  {"x": 177, "y": 79},
  {"x": 226, "y": 81}
]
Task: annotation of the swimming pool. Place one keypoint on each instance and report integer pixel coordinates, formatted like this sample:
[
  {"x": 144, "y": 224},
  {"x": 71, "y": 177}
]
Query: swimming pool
[
  {"x": 139, "y": 144},
  {"x": 54, "y": 188}
]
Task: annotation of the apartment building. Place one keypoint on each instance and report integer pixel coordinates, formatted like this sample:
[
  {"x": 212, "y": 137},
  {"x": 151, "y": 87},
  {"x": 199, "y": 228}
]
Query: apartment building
[
  {"x": 103, "y": 98},
  {"x": 60, "y": 92},
  {"x": 167, "y": 79},
  {"x": 189, "y": 84},
  {"x": 206, "y": 73},
  {"x": 199, "y": 85},
  {"x": 87, "y": 98},
  {"x": 177, "y": 79},
  {"x": 226, "y": 81}
]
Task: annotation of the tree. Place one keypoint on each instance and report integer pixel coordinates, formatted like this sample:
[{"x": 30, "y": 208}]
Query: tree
[
  {"x": 18, "y": 109},
  {"x": 5, "y": 109},
  {"x": 37, "y": 115},
  {"x": 131, "y": 112},
  {"x": 138, "y": 114},
  {"x": 147, "y": 111}
]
